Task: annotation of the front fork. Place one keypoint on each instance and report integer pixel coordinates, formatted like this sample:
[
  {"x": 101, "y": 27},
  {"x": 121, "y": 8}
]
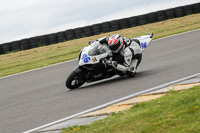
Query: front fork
[
  {"x": 81, "y": 74},
  {"x": 77, "y": 70}
]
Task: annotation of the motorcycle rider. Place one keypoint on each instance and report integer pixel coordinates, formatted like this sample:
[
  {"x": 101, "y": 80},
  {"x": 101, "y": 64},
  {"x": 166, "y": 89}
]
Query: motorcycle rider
[{"x": 127, "y": 53}]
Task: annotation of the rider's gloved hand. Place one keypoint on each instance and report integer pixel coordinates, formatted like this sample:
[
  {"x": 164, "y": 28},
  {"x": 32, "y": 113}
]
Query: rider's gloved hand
[{"x": 112, "y": 63}]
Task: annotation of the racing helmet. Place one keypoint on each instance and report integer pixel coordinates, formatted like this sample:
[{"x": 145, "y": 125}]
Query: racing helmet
[{"x": 115, "y": 42}]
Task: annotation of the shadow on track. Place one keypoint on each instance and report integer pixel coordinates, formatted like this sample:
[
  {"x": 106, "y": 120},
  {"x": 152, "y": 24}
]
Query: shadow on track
[{"x": 112, "y": 80}]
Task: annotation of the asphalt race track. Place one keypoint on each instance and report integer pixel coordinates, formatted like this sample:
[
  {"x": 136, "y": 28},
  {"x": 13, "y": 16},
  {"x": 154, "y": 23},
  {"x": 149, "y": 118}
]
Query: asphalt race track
[{"x": 35, "y": 98}]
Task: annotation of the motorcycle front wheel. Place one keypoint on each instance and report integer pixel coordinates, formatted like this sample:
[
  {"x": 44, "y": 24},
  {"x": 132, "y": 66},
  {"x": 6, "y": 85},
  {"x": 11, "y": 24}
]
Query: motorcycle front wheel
[{"x": 74, "y": 80}]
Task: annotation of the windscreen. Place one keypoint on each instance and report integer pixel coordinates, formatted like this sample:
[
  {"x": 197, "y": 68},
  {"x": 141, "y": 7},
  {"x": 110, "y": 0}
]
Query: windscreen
[{"x": 97, "y": 49}]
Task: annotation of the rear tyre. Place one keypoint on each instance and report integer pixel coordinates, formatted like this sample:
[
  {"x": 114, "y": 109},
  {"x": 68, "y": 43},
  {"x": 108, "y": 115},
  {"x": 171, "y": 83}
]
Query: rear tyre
[{"x": 74, "y": 80}]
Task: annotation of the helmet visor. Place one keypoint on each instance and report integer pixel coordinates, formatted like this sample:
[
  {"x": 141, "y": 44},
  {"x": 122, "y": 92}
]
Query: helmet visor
[{"x": 114, "y": 47}]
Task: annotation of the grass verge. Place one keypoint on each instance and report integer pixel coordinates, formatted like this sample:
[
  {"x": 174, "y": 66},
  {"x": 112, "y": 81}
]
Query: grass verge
[
  {"x": 177, "y": 112},
  {"x": 42, "y": 56}
]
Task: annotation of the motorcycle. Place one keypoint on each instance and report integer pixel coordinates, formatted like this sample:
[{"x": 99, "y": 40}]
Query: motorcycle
[{"x": 92, "y": 64}]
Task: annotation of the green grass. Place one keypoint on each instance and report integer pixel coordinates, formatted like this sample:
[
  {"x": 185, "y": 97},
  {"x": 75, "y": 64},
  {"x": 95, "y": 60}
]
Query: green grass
[
  {"x": 16, "y": 62},
  {"x": 177, "y": 112}
]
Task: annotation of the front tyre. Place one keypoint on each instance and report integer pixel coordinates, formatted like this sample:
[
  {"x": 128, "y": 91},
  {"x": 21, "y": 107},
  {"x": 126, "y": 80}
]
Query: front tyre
[{"x": 74, "y": 80}]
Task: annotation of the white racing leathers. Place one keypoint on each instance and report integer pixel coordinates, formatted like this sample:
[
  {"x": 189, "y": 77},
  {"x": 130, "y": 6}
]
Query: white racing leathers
[{"x": 132, "y": 54}]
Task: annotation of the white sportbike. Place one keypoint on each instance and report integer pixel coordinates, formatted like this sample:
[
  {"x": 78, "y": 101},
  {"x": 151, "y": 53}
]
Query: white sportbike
[{"x": 92, "y": 64}]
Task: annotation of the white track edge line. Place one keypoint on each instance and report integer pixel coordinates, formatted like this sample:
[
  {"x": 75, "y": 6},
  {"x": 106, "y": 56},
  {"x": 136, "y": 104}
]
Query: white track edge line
[
  {"x": 76, "y": 59},
  {"x": 111, "y": 103},
  {"x": 176, "y": 34}
]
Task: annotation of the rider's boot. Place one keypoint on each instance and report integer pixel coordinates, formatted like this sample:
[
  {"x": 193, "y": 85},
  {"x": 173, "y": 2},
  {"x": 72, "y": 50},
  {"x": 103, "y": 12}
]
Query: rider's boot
[{"x": 133, "y": 68}]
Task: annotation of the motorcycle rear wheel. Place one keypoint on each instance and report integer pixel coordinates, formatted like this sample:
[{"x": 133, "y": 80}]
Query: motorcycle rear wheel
[{"x": 74, "y": 80}]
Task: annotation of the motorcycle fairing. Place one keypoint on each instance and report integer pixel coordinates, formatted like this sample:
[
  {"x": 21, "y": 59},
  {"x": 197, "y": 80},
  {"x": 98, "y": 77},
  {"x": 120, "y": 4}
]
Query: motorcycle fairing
[
  {"x": 144, "y": 41},
  {"x": 88, "y": 55}
]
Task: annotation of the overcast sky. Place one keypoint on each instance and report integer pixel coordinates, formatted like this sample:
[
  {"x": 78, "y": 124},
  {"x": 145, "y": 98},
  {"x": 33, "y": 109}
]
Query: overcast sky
[{"x": 27, "y": 18}]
